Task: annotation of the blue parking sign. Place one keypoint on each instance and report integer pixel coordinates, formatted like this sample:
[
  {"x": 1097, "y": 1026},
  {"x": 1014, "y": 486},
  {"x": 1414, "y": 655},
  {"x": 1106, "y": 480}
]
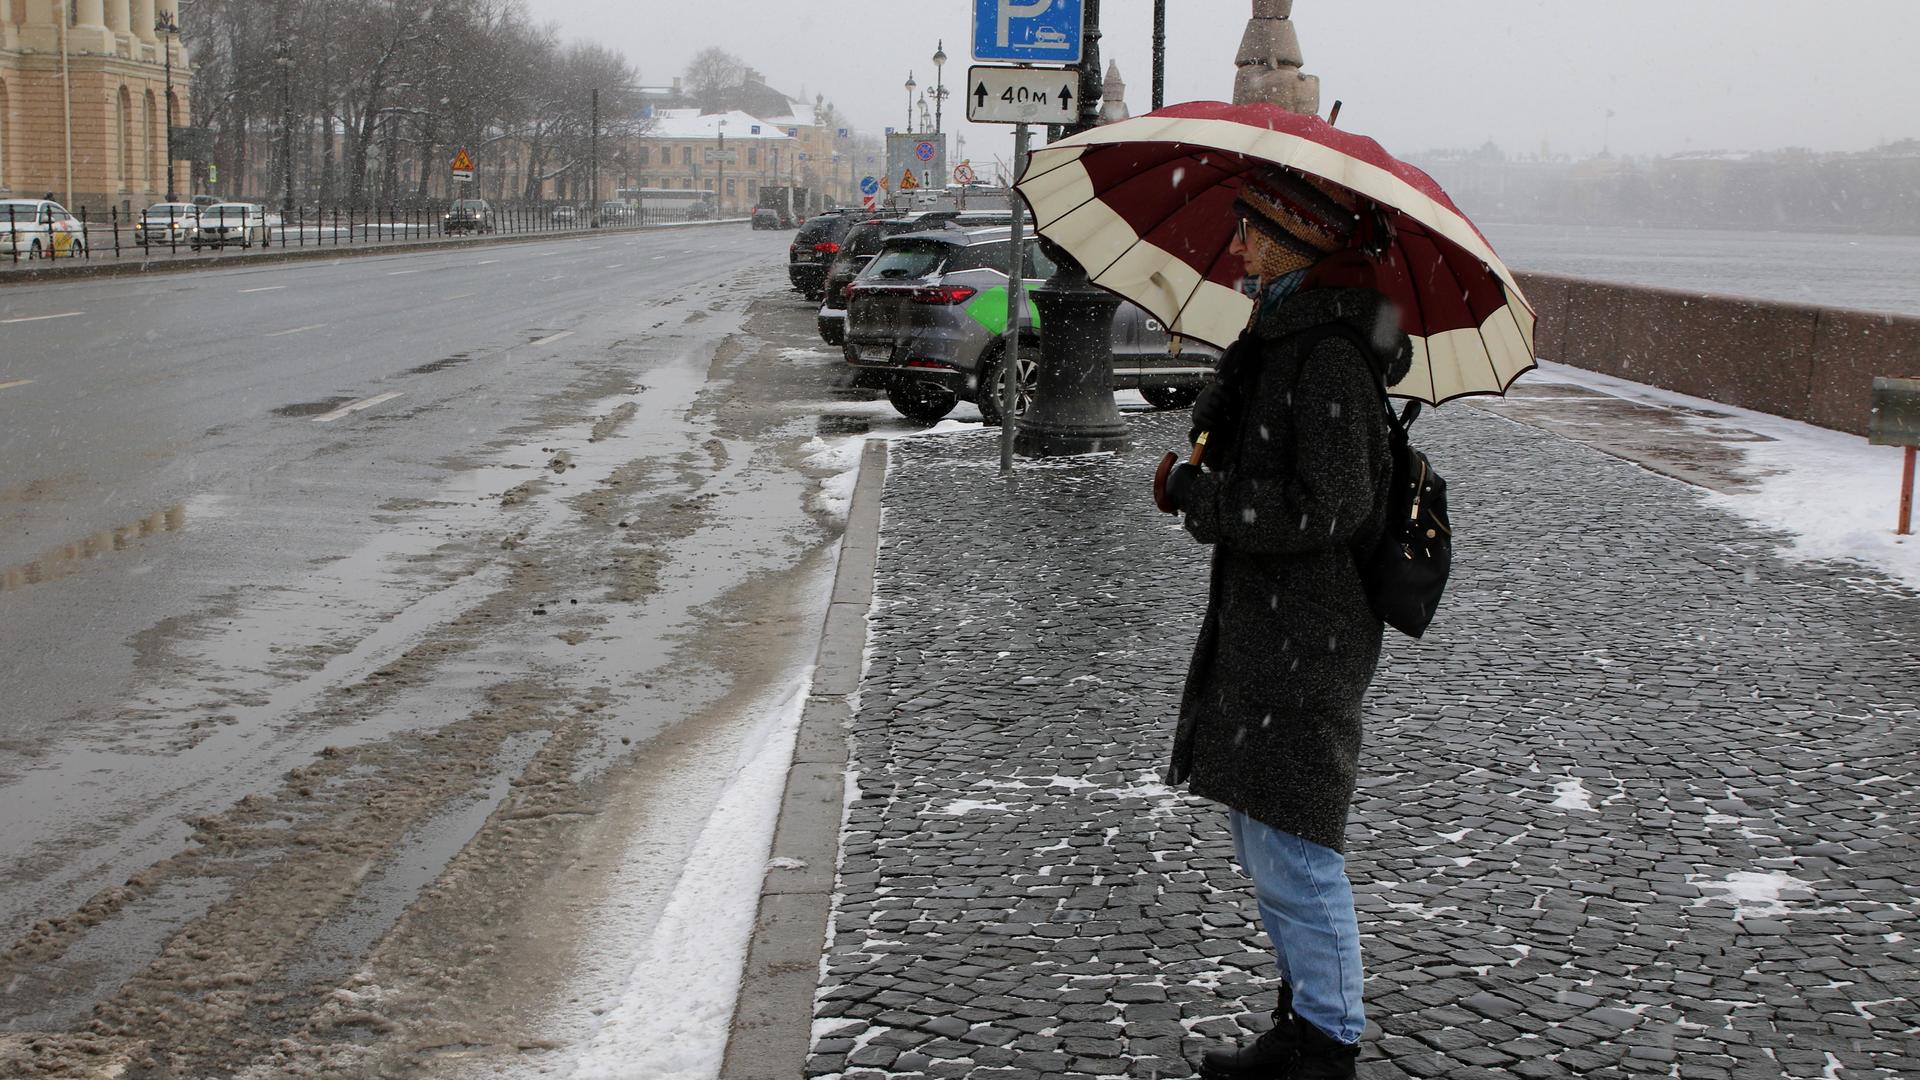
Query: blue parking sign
[{"x": 1029, "y": 31}]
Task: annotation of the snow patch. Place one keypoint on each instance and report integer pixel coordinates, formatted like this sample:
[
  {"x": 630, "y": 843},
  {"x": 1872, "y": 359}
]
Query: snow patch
[
  {"x": 1572, "y": 795},
  {"x": 673, "y": 1018},
  {"x": 840, "y": 459},
  {"x": 968, "y": 806},
  {"x": 1832, "y": 492},
  {"x": 1757, "y": 894}
]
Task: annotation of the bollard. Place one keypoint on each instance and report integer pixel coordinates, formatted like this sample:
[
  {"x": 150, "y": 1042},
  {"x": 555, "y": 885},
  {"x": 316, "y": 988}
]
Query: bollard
[
  {"x": 1895, "y": 421},
  {"x": 1073, "y": 410}
]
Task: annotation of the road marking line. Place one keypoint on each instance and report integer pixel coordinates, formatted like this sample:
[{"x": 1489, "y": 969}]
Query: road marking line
[
  {"x": 615, "y": 266},
  {"x": 14, "y": 383},
  {"x": 486, "y": 262},
  {"x": 42, "y": 318},
  {"x": 295, "y": 330},
  {"x": 551, "y": 338},
  {"x": 462, "y": 296},
  {"x": 264, "y": 288},
  {"x": 354, "y": 407},
  {"x": 394, "y": 273}
]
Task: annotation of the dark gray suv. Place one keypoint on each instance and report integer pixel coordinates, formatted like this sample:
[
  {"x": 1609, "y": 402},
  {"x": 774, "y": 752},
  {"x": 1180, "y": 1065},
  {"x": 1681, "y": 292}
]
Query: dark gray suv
[{"x": 928, "y": 314}]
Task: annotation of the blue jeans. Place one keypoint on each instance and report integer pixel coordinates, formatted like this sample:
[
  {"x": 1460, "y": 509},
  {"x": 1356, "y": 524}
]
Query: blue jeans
[{"x": 1307, "y": 907}]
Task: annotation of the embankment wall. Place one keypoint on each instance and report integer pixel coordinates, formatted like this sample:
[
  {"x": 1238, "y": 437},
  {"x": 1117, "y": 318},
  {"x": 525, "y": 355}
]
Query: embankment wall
[{"x": 1799, "y": 361}]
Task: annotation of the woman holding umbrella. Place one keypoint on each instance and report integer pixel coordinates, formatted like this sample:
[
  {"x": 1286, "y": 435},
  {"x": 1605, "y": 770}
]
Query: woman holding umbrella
[
  {"x": 1366, "y": 279},
  {"x": 1271, "y": 719}
]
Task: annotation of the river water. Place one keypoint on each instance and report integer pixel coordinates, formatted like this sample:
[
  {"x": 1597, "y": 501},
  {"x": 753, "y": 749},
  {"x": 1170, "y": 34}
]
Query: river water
[{"x": 1873, "y": 273}]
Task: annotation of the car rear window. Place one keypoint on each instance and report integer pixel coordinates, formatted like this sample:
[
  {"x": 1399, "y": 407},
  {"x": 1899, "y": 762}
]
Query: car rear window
[
  {"x": 909, "y": 260},
  {"x": 993, "y": 256}
]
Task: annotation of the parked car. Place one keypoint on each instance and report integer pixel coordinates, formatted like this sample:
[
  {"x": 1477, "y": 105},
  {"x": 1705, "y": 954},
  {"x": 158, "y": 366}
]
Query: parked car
[
  {"x": 229, "y": 223},
  {"x": 469, "y": 216},
  {"x": 814, "y": 247},
  {"x": 564, "y": 215},
  {"x": 765, "y": 217},
  {"x": 615, "y": 213},
  {"x": 860, "y": 245},
  {"x": 165, "y": 223},
  {"x": 39, "y": 229},
  {"x": 928, "y": 316}
]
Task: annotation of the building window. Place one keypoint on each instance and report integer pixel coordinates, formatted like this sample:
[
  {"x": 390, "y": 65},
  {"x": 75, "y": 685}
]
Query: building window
[
  {"x": 646, "y": 156},
  {"x": 729, "y": 187},
  {"x": 753, "y": 155},
  {"x": 686, "y": 155}
]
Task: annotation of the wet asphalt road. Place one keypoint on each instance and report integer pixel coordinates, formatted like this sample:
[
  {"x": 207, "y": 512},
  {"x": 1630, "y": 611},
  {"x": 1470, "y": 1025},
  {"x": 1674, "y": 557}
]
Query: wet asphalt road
[{"x": 154, "y": 406}]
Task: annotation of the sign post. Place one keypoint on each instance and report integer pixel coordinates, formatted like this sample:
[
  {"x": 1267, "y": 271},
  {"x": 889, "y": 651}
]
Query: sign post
[
  {"x": 1895, "y": 421},
  {"x": 1024, "y": 32}
]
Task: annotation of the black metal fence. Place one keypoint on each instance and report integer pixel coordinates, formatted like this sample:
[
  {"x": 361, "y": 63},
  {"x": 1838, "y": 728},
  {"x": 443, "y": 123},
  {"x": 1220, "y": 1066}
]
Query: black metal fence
[{"x": 31, "y": 231}]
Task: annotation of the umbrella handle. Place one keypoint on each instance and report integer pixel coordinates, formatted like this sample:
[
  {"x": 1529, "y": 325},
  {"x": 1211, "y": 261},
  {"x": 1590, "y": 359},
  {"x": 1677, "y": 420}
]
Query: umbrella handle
[{"x": 1160, "y": 475}]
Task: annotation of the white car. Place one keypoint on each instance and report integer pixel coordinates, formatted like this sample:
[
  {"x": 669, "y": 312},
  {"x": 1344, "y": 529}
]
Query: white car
[
  {"x": 230, "y": 223},
  {"x": 165, "y": 223},
  {"x": 39, "y": 229}
]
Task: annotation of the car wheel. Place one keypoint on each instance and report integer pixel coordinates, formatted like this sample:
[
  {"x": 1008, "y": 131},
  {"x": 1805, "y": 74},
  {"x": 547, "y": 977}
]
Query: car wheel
[
  {"x": 920, "y": 401},
  {"x": 77, "y": 249},
  {"x": 1170, "y": 397},
  {"x": 987, "y": 393},
  {"x": 33, "y": 250}
]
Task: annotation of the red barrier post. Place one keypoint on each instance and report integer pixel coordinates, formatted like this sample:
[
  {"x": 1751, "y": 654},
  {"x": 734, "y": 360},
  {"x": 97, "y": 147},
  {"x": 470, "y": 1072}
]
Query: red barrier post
[{"x": 1906, "y": 492}]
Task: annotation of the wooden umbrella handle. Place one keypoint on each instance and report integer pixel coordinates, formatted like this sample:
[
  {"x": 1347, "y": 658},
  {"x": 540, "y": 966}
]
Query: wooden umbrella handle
[{"x": 1160, "y": 475}]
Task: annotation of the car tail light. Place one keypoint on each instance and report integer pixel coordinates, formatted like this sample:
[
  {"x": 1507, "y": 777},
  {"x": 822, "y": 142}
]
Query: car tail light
[
  {"x": 928, "y": 364},
  {"x": 827, "y": 247},
  {"x": 846, "y": 291},
  {"x": 944, "y": 294}
]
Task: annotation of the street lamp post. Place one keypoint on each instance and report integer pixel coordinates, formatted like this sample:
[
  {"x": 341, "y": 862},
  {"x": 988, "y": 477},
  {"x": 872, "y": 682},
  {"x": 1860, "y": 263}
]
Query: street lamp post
[
  {"x": 167, "y": 27},
  {"x": 911, "y": 85},
  {"x": 283, "y": 56},
  {"x": 939, "y": 84}
]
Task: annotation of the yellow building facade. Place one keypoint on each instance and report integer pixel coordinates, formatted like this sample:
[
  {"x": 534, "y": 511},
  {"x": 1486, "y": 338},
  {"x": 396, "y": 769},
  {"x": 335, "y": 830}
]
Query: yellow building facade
[{"x": 83, "y": 95}]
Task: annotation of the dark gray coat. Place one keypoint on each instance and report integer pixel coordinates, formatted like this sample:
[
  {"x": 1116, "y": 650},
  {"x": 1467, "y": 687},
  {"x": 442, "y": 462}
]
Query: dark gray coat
[{"x": 1270, "y": 722}]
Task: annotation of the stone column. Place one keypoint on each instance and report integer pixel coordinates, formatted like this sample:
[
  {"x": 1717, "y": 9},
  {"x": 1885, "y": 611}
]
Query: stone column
[
  {"x": 41, "y": 31},
  {"x": 1269, "y": 61},
  {"x": 89, "y": 33},
  {"x": 120, "y": 16},
  {"x": 143, "y": 13}
]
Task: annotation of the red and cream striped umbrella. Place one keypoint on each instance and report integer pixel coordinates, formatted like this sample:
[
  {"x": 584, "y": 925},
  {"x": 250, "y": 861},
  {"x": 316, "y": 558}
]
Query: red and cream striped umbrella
[{"x": 1146, "y": 205}]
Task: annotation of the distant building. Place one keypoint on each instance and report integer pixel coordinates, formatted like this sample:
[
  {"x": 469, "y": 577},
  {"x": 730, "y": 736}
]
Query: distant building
[{"x": 110, "y": 106}]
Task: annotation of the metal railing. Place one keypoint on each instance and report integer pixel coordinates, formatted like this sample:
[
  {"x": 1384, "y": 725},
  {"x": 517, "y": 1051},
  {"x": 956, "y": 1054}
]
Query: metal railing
[{"x": 43, "y": 234}]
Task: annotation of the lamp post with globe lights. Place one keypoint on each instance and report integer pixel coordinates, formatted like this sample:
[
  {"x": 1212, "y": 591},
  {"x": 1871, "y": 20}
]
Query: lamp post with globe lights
[
  {"x": 911, "y": 87},
  {"x": 168, "y": 27},
  {"x": 939, "y": 84}
]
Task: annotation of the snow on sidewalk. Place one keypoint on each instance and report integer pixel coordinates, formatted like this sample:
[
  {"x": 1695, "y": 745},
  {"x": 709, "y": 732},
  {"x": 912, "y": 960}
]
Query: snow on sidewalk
[{"x": 1836, "y": 495}]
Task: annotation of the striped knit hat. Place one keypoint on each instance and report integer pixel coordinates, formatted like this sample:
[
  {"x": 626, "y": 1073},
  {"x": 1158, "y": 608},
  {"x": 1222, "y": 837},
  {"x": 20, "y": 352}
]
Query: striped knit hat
[{"x": 1292, "y": 221}]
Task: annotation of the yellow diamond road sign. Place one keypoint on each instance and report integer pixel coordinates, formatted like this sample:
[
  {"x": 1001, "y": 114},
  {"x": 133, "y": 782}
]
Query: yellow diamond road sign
[
  {"x": 462, "y": 165},
  {"x": 907, "y": 180}
]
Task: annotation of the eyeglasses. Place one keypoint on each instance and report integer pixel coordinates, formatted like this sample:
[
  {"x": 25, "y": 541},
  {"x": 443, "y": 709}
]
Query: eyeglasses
[{"x": 1240, "y": 230}]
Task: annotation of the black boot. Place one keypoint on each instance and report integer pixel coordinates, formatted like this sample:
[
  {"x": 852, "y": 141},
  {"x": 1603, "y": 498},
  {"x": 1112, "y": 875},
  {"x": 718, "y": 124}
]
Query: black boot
[
  {"x": 1320, "y": 1055},
  {"x": 1267, "y": 1058}
]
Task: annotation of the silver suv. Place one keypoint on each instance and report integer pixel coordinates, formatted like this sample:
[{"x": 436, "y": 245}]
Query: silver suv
[{"x": 928, "y": 316}]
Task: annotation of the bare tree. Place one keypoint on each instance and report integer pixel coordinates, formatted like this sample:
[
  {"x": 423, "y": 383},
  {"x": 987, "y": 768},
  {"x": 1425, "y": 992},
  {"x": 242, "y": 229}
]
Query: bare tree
[{"x": 714, "y": 77}]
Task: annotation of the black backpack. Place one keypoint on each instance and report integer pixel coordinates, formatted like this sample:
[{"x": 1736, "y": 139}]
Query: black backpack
[{"x": 1406, "y": 571}]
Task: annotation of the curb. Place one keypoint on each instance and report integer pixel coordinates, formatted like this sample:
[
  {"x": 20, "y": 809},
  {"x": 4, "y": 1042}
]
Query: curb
[
  {"x": 135, "y": 266},
  {"x": 772, "y": 1030}
]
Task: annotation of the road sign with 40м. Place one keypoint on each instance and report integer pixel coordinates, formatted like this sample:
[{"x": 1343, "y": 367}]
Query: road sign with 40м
[{"x": 1018, "y": 95}]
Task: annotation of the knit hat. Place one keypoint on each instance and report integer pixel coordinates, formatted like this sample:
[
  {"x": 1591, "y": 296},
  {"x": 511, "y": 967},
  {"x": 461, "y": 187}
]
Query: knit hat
[{"x": 1292, "y": 221}]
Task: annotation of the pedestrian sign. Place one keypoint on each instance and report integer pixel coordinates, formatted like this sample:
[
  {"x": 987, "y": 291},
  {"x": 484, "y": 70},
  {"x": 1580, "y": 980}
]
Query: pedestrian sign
[
  {"x": 924, "y": 150},
  {"x": 462, "y": 165},
  {"x": 1028, "y": 31},
  {"x": 868, "y": 185},
  {"x": 908, "y": 181},
  {"x": 963, "y": 173}
]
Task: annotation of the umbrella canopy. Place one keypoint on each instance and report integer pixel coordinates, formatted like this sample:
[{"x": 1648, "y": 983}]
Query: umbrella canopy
[{"x": 1146, "y": 205}]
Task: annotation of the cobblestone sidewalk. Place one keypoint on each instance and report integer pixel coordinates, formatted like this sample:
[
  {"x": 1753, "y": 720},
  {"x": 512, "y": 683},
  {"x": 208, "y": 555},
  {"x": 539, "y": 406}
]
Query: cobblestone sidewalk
[{"x": 1642, "y": 803}]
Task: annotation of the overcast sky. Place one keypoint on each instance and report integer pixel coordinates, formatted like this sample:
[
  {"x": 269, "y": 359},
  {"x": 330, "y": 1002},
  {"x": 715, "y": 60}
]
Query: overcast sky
[{"x": 1415, "y": 74}]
